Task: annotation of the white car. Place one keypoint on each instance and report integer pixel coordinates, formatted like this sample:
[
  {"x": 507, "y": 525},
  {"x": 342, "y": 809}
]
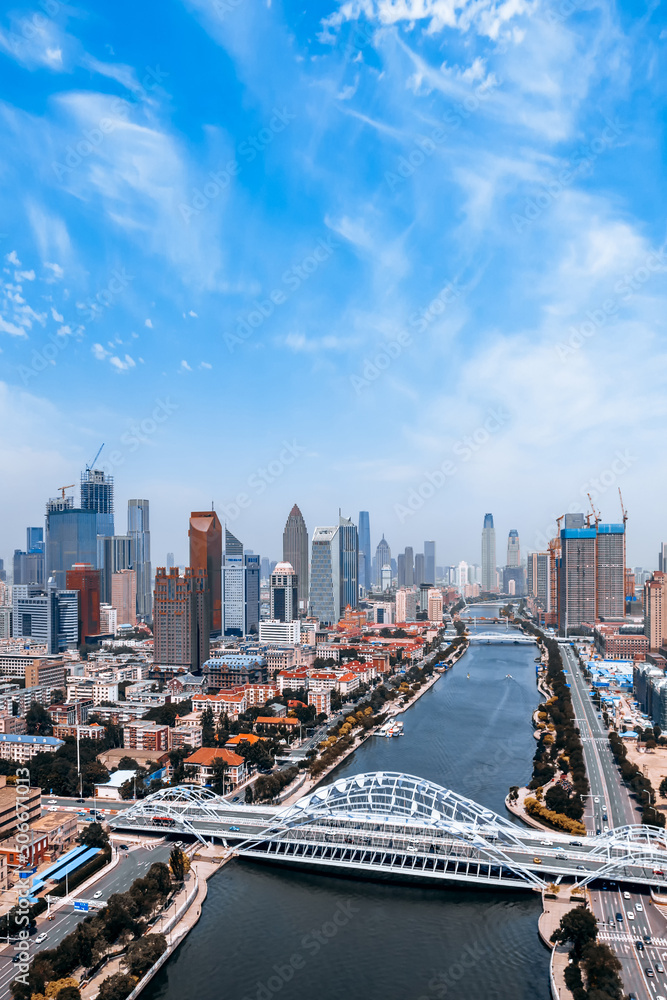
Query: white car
[
  {"x": 631, "y": 915},
  {"x": 52, "y": 801},
  {"x": 547, "y": 843},
  {"x": 596, "y": 800},
  {"x": 639, "y": 908},
  {"x": 626, "y": 895},
  {"x": 96, "y": 895},
  {"x": 40, "y": 938}
]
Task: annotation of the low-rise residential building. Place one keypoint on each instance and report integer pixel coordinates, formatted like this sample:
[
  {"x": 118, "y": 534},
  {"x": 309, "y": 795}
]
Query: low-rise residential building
[
  {"x": 292, "y": 680},
  {"x": 94, "y": 731},
  {"x": 259, "y": 694},
  {"x": 281, "y": 659},
  {"x": 105, "y": 691},
  {"x": 145, "y": 736},
  {"x": 60, "y": 828},
  {"x": 202, "y": 762},
  {"x": 16, "y": 855},
  {"x": 322, "y": 680},
  {"x": 268, "y": 723},
  {"x": 181, "y": 737},
  {"x": 347, "y": 683},
  {"x": 249, "y": 738},
  {"x": 23, "y": 748},
  {"x": 321, "y": 700},
  {"x": 13, "y": 725},
  {"x": 230, "y": 703}
]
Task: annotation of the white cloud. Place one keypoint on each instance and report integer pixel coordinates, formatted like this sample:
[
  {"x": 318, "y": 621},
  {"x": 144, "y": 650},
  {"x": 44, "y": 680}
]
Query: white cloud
[
  {"x": 193, "y": 314},
  {"x": 122, "y": 365},
  {"x": 205, "y": 364},
  {"x": 149, "y": 324},
  {"x": 56, "y": 315},
  {"x": 24, "y": 275},
  {"x": 13, "y": 258},
  {"x": 99, "y": 352},
  {"x": 56, "y": 270},
  {"x": 185, "y": 367},
  {"x": 11, "y": 328}
]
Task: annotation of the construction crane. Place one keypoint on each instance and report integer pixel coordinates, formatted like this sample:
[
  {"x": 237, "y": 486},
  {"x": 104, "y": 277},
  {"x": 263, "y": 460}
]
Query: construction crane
[
  {"x": 63, "y": 488},
  {"x": 558, "y": 520},
  {"x": 625, "y": 513},
  {"x": 595, "y": 513},
  {"x": 91, "y": 465}
]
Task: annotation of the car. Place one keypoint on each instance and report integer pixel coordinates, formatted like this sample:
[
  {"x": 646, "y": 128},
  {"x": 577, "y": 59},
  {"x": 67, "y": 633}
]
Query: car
[
  {"x": 639, "y": 907},
  {"x": 235, "y": 799},
  {"x": 649, "y": 972},
  {"x": 16, "y": 958},
  {"x": 40, "y": 937},
  {"x": 619, "y": 917},
  {"x": 537, "y": 861},
  {"x": 124, "y": 847},
  {"x": 81, "y": 813},
  {"x": 547, "y": 843},
  {"x": 631, "y": 915},
  {"x": 658, "y": 871},
  {"x": 581, "y": 868},
  {"x": 235, "y": 829},
  {"x": 596, "y": 800},
  {"x": 79, "y": 800},
  {"x": 96, "y": 895},
  {"x": 598, "y": 831},
  {"x": 659, "y": 968},
  {"x": 639, "y": 945},
  {"x": 647, "y": 939},
  {"x": 626, "y": 895},
  {"x": 561, "y": 857},
  {"x": 52, "y": 801}
]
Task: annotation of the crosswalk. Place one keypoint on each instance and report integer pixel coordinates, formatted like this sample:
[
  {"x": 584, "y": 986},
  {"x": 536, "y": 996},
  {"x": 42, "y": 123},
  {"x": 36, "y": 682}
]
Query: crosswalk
[{"x": 623, "y": 938}]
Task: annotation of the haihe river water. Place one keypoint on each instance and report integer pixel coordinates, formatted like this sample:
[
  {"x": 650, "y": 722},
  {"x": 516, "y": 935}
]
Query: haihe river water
[{"x": 270, "y": 933}]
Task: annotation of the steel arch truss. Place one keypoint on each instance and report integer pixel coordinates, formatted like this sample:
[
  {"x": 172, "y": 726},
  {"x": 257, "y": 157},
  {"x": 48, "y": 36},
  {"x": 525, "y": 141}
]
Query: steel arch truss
[{"x": 175, "y": 809}]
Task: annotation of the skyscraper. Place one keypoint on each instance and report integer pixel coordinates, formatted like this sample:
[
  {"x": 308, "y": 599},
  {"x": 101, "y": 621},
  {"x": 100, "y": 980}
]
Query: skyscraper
[
  {"x": 138, "y": 528},
  {"x": 365, "y": 549},
  {"x": 382, "y": 558},
  {"x": 513, "y": 550},
  {"x": 170, "y": 561},
  {"x": 537, "y": 569},
  {"x": 409, "y": 566},
  {"x": 662, "y": 558},
  {"x": 251, "y": 565},
  {"x": 488, "y": 555},
  {"x": 429, "y": 562},
  {"x": 48, "y": 616},
  {"x": 97, "y": 495},
  {"x": 610, "y": 571},
  {"x": 325, "y": 576},
  {"x": 124, "y": 596},
  {"x": 71, "y": 537},
  {"x": 180, "y": 620},
  {"x": 205, "y": 534},
  {"x": 420, "y": 570},
  {"x": 295, "y": 552},
  {"x": 576, "y": 578},
  {"x": 114, "y": 553},
  {"x": 284, "y": 593},
  {"x": 240, "y": 589},
  {"x": 348, "y": 540},
  {"x": 86, "y": 579},
  {"x": 400, "y": 570}
]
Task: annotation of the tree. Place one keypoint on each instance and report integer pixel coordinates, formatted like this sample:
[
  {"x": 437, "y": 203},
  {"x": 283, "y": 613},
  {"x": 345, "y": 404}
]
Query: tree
[
  {"x": 94, "y": 835},
  {"x": 144, "y": 953},
  {"x": 127, "y": 764},
  {"x": 219, "y": 767},
  {"x": 207, "y": 727},
  {"x": 116, "y": 987},
  {"x": 663, "y": 788},
  {"x": 177, "y": 864},
  {"x": 38, "y": 721},
  {"x": 577, "y": 927}
]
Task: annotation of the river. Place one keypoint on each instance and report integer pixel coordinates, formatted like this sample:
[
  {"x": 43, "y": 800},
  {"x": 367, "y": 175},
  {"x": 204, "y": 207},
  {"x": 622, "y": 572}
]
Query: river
[{"x": 267, "y": 932}]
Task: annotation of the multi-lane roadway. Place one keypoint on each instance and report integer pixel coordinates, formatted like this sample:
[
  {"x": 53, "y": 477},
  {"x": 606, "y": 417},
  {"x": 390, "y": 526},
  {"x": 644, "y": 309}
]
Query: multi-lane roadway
[{"x": 642, "y": 960}]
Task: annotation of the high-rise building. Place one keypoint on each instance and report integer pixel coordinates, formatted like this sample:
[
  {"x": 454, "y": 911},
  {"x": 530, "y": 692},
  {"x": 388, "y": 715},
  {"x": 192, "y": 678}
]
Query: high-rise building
[
  {"x": 34, "y": 539},
  {"x": 170, "y": 561},
  {"x": 86, "y": 579},
  {"x": 138, "y": 528},
  {"x": 537, "y": 571},
  {"x": 435, "y": 606},
  {"x": 205, "y": 533},
  {"x": 109, "y": 618},
  {"x": 71, "y": 537},
  {"x": 251, "y": 563},
  {"x": 124, "y": 595},
  {"x": 48, "y": 616},
  {"x": 365, "y": 549},
  {"x": 662, "y": 558},
  {"x": 400, "y": 570},
  {"x": 240, "y": 589},
  {"x": 295, "y": 552},
  {"x": 97, "y": 495},
  {"x": 180, "y": 619},
  {"x": 576, "y": 578},
  {"x": 406, "y": 606},
  {"x": 420, "y": 570},
  {"x": 114, "y": 553},
  {"x": 610, "y": 571},
  {"x": 462, "y": 575},
  {"x": 284, "y": 593},
  {"x": 513, "y": 550},
  {"x": 655, "y": 610},
  {"x": 348, "y": 540},
  {"x": 382, "y": 559},
  {"x": 514, "y": 580},
  {"x": 409, "y": 566},
  {"x": 429, "y": 562},
  {"x": 488, "y": 555},
  {"x": 28, "y": 567}
]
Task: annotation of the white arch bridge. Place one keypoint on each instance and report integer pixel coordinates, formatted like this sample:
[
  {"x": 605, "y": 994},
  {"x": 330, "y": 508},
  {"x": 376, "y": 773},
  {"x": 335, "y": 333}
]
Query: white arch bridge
[{"x": 386, "y": 824}]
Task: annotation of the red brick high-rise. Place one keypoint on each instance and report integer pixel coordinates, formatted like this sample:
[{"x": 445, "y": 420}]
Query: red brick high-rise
[
  {"x": 180, "y": 620},
  {"x": 86, "y": 579},
  {"x": 205, "y": 535}
]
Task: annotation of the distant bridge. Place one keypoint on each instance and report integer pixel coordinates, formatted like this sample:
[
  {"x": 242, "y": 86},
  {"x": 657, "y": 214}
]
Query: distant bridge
[
  {"x": 506, "y": 637},
  {"x": 389, "y": 824}
]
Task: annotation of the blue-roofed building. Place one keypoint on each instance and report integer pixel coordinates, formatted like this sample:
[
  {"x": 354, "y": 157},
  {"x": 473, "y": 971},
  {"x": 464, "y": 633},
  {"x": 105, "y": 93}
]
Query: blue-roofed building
[{"x": 24, "y": 748}]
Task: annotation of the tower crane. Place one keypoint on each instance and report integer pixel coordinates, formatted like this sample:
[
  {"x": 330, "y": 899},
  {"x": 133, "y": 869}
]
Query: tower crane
[
  {"x": 625, "y": 513},
  {"x": 91, "y": 465},
  {"x": 63, "y": 488},
  {"x": 595, "y": 513}
]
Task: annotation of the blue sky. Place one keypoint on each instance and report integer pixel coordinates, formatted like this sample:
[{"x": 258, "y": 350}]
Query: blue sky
[{"x": 405, "y": 255}]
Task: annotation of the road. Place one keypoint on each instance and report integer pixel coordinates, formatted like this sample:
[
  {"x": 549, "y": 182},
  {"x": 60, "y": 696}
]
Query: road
[
  {"x": 133, "y": 864},
  {"x": 610, "y": 796}
]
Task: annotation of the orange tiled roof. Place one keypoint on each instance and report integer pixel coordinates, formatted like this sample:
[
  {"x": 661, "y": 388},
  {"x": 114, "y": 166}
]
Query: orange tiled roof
[{"x": 206, "y": 756}]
